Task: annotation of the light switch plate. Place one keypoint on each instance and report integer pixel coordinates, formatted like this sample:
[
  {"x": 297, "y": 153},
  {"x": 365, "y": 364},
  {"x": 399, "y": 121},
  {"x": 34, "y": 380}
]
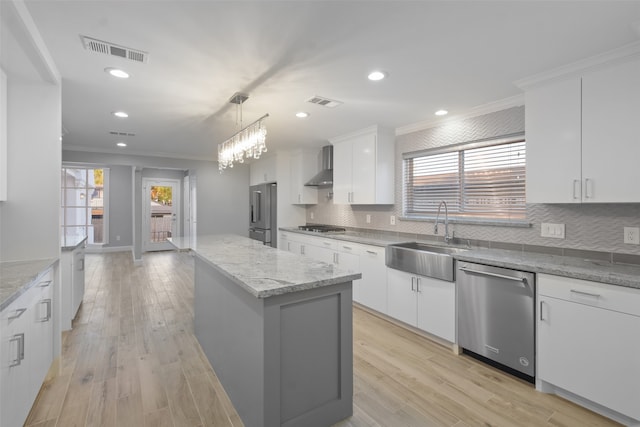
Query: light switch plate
[
  {"x": 311, "y": 215},
  {"x": 392, "y": 220},
  {"x": 555, "y": 231},
  {"x": 632, "y": 235},
  {"x": 368, "y": 219}
]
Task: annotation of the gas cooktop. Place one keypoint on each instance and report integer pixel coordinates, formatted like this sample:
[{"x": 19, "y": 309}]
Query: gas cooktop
[{"x": 322, "y": 228}]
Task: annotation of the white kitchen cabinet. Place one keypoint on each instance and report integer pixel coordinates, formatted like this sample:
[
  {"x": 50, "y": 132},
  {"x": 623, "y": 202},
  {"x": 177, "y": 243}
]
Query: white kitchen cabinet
[
  {"x": 371, "y": 290},
  {"x": 263, "y": 170},
  {"x": 553, "y": 135},
  {"x": 363, "y": 167},
  {"x": 423, "y": 302},
  {"x": 72, "y": 283},
  {"x": 26, "y": 353},
  {"x": 587, "y": 343},
  {"x": 582, "y": 137},
  {"x": 304, "y": 165}
]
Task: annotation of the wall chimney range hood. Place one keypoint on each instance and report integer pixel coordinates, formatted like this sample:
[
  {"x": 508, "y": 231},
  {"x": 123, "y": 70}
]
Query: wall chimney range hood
[{"x": 325, "y": 176}]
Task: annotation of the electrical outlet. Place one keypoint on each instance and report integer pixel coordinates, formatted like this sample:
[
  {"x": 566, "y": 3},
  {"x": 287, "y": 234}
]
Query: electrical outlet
[
  {"x": 311, "y": 215},
  {"x": 118, "y": 238},
  {"x": 632, "y": 235},
  {"x": 368, "y": 219},
  {"x": 392, "y": 220},
  {"x": 555, "y": 231}
]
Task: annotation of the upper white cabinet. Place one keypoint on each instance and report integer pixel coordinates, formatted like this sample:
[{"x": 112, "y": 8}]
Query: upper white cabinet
[
  {"x": 588, "y": 343},
  {"x": 363, "y": 167},
  {"x": 263, "y": 170},
  {"x": 304, "y": 165},
  {"x": 583, "y": 137}
]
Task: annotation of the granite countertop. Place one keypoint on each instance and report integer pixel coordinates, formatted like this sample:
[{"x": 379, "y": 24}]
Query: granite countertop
[
  {"x": 366, "y": 238},
  {"x": 18, "y": 276},
  {"x": 71, "y": 242},
  {"x": 598, "y": 271},
  {"x": 264, "y": 271}
]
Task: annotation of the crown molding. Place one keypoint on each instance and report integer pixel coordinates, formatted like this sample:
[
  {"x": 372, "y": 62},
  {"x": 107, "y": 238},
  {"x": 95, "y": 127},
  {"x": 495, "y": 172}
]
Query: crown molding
[
  {"x": 622, "y": 54},
  {"x": 480, "y": 110}
]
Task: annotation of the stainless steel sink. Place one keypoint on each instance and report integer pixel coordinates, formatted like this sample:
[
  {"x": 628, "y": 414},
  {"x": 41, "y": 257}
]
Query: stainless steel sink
[{"x": 423, "y": 259}]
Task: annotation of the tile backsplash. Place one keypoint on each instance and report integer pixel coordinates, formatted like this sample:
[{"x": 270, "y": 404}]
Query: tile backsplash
[{"x": 592, "y": 227}]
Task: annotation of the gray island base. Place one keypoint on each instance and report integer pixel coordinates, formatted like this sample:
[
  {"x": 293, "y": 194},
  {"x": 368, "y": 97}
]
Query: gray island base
[{"x": 277, "y": 330}]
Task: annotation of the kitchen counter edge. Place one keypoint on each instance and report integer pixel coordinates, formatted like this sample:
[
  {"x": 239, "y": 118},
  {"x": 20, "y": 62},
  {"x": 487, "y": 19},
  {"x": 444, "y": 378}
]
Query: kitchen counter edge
[
  {"x": 625, "y": 275},
  {"x": 17, "y": 277},
  {"x": 274, "y": 271}
]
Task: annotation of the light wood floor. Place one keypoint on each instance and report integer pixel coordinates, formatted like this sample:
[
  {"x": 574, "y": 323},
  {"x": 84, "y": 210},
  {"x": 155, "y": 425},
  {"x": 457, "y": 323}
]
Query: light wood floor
[{"x": 132, "y": 360}]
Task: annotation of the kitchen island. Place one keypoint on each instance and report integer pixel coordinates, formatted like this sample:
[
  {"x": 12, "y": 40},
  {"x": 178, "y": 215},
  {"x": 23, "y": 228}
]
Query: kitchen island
[{"x": 277, "y": 329}]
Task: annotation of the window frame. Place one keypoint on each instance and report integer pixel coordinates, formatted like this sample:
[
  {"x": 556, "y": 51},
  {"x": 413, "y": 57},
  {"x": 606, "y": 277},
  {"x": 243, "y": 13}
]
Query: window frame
[
  {"x": 459, "y": 217},
  {"x": 105, "y": 202}
]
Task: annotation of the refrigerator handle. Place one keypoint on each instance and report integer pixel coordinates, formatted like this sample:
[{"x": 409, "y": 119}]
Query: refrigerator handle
[{"x": 255, "y": 207}]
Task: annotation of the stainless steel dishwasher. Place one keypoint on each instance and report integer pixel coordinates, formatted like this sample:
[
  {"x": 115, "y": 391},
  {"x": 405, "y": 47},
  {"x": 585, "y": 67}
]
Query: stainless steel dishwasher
[{"x": 496, "y": 315}]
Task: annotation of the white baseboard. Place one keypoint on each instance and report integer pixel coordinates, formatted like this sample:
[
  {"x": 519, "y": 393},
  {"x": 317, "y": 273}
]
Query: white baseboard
[{"x": 105, "y": 249}]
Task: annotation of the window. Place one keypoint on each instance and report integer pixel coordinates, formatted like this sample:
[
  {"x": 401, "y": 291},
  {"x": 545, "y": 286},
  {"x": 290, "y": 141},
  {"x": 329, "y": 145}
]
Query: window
[
  {"x": 481, "y": 180},
  {"x": 83, "y": 211}
]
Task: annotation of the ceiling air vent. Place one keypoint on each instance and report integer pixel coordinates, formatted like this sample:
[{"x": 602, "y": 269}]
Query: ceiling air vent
[
  {"x": 325, "y": 102},
  {"x": 113, "y": 132},
  {"x": 106, "y": 48}
]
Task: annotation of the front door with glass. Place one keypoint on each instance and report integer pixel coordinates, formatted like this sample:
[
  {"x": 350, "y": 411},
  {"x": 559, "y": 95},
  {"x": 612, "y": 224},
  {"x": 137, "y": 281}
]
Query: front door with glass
[{"x": 161, "y": 208}]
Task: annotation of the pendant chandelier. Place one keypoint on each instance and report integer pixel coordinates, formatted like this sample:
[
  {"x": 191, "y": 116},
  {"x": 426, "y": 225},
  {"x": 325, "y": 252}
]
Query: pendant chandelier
[{"x": 247, "y": 143}]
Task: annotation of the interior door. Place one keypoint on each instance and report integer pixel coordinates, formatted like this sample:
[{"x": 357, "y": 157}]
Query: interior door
[{"x": 161, "y": 208}]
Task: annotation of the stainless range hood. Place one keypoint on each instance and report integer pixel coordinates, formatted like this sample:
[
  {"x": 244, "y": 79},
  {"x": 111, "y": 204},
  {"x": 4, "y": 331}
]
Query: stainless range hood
[{"x": 325, "y": 176}]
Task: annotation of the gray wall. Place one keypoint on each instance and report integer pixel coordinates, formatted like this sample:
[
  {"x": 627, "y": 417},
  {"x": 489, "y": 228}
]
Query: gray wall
[
  {"x": 597, "y": 227},
  {"x": 120, "y": 206},
  {"x": 222, "y": 199}
]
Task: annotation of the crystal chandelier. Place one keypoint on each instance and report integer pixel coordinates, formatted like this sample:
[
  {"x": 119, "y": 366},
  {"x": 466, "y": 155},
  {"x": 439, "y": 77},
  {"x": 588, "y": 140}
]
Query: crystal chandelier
[{"x": 247, "y": 143}]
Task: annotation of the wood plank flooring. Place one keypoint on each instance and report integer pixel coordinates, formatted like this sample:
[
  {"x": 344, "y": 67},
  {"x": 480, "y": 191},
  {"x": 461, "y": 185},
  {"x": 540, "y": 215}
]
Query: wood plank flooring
[{"x": 132, "y": 360}]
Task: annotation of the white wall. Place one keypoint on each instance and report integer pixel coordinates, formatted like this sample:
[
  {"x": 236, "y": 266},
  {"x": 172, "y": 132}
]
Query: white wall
[{"x": 29, "y": 225}]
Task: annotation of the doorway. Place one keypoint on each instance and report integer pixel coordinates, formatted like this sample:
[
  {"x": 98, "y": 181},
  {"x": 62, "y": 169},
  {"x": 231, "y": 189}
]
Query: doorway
[{"x": 161, "y": 213}]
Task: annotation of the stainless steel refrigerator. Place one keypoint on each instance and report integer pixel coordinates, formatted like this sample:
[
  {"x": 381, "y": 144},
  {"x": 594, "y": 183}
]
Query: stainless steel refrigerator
[{"x": 262, "y": 216}]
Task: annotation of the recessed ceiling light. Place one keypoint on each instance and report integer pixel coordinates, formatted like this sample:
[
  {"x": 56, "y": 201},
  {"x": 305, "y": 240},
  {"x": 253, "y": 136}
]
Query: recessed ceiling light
[
  {"x": 377, "y": 75},
  {"x": 121, "y": 144},
  {"x": 302, "y": 114},
  {"x": 116, "y": 72},
  {"x": 442, "y": 113},
  {"x": 120, "y": 114}
]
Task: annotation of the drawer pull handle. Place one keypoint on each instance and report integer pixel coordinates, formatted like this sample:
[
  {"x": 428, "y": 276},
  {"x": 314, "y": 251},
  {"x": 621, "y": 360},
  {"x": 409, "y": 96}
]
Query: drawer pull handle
[
  {"x": 542, "y": 319},
  {"x": 347, "y": 247},
  {"x": 372, "y": 252},
  {"x": 326, "y": 243},
  {"x": 44, "y": 284},
  {"x": 587, "y": 294},
  {"x": 19, "y": 338},
  {"x": 18, "y": 313}
]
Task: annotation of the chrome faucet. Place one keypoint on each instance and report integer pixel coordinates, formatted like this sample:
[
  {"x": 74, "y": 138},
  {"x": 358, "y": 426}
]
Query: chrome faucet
[{"x": 446, "y": 222}]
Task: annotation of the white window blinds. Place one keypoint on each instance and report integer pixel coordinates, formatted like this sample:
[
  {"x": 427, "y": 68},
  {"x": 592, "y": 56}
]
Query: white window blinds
[{"x": 479, "y": 180}]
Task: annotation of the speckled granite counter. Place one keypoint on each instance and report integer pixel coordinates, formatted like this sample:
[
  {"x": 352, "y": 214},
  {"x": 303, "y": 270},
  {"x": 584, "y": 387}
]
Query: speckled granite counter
[
  {"x": 264, "y": 271},
  {"x": 599, "y": 271},
  {"x": 16, "y": 277},
  {"x": 70, "y": 243}
]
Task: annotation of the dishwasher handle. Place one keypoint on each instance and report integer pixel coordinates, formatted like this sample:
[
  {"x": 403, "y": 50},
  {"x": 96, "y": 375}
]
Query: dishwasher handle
[{"x": 522, "y": 280}]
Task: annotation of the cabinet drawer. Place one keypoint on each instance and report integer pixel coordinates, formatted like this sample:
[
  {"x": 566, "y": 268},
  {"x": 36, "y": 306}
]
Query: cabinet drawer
[{"x": 610, "y": 297}]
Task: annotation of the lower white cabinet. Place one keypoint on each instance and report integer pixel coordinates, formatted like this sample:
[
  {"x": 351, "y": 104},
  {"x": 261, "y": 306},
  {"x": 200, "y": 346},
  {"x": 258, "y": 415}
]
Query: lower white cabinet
[
  {"x": 371, "y": 290},
  {"x": 589, "y": 342},
  {"x": 423, "y": 302},
  {"x": 26, "y": 353},
  {"x": 72, "y": 283}
]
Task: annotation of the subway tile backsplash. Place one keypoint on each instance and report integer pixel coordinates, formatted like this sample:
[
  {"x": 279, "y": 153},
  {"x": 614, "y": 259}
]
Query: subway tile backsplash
[{"x": 594, "y": 228}]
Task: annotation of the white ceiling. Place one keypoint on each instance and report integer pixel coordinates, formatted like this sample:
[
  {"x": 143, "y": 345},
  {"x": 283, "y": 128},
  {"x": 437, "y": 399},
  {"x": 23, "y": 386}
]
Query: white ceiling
[{"x": 438, "y": 54}]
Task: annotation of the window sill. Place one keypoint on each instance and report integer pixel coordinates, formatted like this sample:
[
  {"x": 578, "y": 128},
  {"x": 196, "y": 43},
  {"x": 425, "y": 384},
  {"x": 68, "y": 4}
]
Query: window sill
[{"x": 520, "y": 223}]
